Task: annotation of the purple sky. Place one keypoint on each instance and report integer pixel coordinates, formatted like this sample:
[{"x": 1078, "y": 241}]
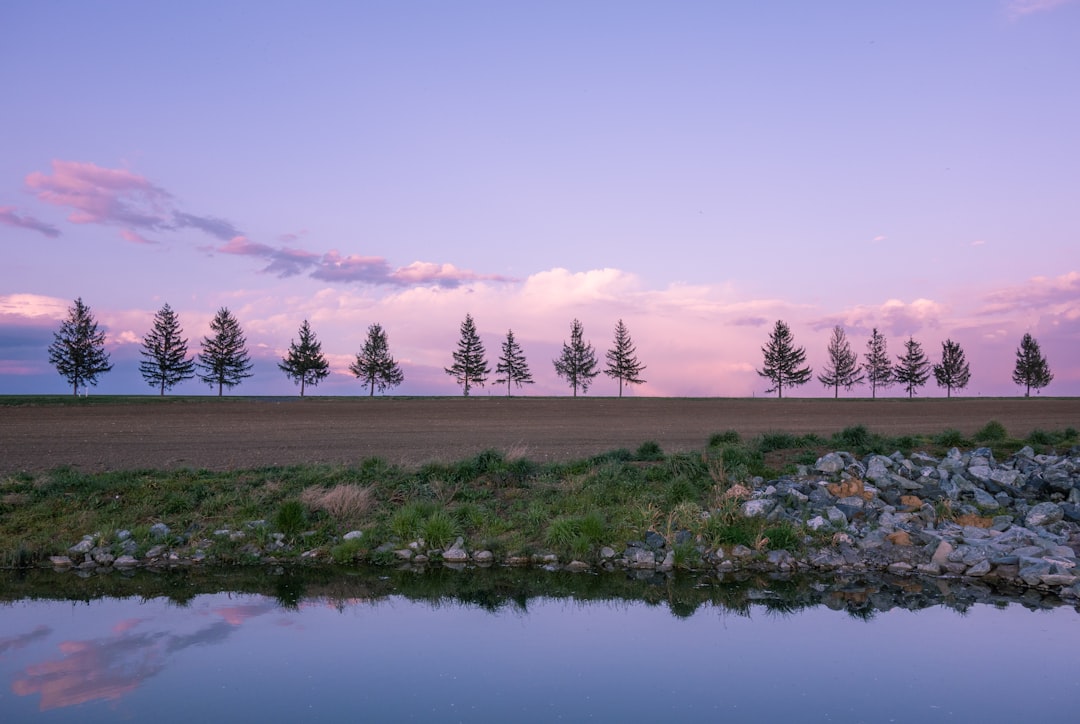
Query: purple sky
[{"x": 698, "y": 169}]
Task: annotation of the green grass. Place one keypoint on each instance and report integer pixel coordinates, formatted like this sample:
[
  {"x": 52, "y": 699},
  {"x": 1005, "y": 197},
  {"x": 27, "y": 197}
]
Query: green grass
[{"x": 513, "y": 507}]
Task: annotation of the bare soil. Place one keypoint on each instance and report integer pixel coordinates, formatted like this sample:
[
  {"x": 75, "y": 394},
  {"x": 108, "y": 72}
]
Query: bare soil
[{"x": 249, "y": 433}]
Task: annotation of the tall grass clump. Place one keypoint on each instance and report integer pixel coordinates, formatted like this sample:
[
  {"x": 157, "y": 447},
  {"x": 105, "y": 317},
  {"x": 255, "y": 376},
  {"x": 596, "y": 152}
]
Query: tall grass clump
[
  {"x": 291, "y": 518},
  {"x": 992, "y": 431},
  {"x": 345, "y": 503},
  {"x": 649, "y": 451},
  {"x": 728, "y": 437}
]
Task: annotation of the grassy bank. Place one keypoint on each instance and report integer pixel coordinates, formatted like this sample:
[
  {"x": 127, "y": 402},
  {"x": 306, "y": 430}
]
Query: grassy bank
[{"x": 498, "y": 501}]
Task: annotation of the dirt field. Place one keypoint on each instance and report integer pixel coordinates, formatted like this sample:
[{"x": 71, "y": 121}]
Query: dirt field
[{"x": 235, "y": 434}]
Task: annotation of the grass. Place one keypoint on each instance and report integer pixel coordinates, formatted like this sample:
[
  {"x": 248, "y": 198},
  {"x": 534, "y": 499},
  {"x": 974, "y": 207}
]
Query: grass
[{"x": 505, "y": 503}]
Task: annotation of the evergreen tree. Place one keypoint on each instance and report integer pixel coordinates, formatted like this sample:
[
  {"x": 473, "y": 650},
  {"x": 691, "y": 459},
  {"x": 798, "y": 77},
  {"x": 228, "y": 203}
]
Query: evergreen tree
[
  {"x": 953, "y": 371},
  {"x": 78, "y": 349},
  {"x": 878, "y": 368},
  {"x": 577, "y": 363},
  {"x": 843, "y": 367},
  {"x": 470, "y": 366},
  {"x": 783, "y": 361},
  {"x": 512, "y": 365},
  {"x": 374, "y": 364},
  {"x": 912, "y": 368},
  {"x": 165, "y": 350},
  {"x": 305, "y": 362},
  {"x": 224, "y": 359},
  {"x": 622, "y": 361},
  {"x": 1031, "y": 367}
]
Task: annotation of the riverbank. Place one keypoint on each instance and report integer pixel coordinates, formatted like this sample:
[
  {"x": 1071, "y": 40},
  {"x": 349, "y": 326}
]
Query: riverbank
[{"x": 1000, "y": 510}]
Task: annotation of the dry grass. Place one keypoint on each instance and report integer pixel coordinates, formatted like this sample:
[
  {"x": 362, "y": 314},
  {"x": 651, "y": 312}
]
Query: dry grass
[{"x": 344, "y": 503}]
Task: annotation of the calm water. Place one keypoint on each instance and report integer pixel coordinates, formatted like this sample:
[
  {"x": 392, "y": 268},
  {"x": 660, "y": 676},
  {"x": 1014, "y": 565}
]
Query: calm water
[{"x": 505, "y": 658}]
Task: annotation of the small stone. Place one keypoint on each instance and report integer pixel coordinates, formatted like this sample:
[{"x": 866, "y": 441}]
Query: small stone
[
  {"x": 899, "y": 568},
  {"x": 757, "y": 508},
  {"x": 941, "y": 555},
  {"x": 1043, "y": 514},
  {"x": 159, "y": 530},
  {"x": 84, "y": 546},
  {"x": 353, "y": 535},
  {"x": 576, "y": 566},
  {"x": 979, "y": 569},
  {"x": 125, "y": 562},
  {"x": 60, "y": 561},
  {"x": 156, "y": 552},
  {"x": 815, "y": 523},
  {"x": 484, "y": 557},
  {"x": 741, "y": 551},
  {"x": 899, "y": 538},
  {"x": 910, "y": 502},
  {"x": 607, "y": 553}
]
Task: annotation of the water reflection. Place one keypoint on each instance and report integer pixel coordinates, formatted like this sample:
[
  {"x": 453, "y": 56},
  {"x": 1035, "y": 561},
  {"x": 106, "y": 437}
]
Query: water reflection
[{"x": 528, "y": 646}]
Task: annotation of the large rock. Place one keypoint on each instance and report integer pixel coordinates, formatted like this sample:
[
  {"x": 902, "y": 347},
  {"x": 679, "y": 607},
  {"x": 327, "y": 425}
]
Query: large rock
[
  {"x": 830, "y": 463},
  {"x": 758, "y": 508},
  {"x": 1043, "y": 514}
]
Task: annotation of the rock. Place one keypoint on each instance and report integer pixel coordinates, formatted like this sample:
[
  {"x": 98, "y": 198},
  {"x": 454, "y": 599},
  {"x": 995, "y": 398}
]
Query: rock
[
  {"x": 353, "y": 535},
  {"x": 607, "y": 553},
  {"x": 455, "y": 553},
  {"x": 1043, "y": 514},
  {"x": 781, "y": 559},
  {"x": 123, "y": 535},
  {"x": 60, "y": 561},
  {"x": 830, "y": 463},
  {"x": 576, "y": 566},
  {"x": 84, "y": 546},
  {"x": 815, "y": 523},
  {"x": 979, "y": 569},
  {"x": 899, "y": 538},
  {"x": 654, "y": 540},
  {"x": 125, "y": 562},
  {"x": 484, "y": 557},
  {"x": 911, "y": 502},
  {"x": 669, "y": 561},
  {"x": 156, "y": 552},
  {"x": 941, "y": 554},
  {"x": 741, "y": 551},
  {"x": 159, "y": 530},
  {"x": 640, "y": 558},
  {"x": 757, "y": 508}
]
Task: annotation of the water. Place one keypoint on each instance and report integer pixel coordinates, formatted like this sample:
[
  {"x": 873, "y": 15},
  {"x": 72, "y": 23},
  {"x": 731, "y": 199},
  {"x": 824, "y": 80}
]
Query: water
[{"x": 413, "y": 649}]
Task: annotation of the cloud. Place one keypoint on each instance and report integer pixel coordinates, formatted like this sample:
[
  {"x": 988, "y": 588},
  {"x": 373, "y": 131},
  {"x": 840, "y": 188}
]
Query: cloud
[
  {"x": 978, "y": 242},
  {"x": 879, "y": 237},
  {"x": 14, "y": 643},
  {"x": 135, "y": 237},
  {"x": 1060, "y": 293},
  {"x": 118, "y": 197},
  {"x": 1017, "y": 9},
  {"x": 893, "y": 317},
  {"x": 333, "y": 267},
  {"x": 10, "y": 217},
  {"x": 32, "y": 307}
]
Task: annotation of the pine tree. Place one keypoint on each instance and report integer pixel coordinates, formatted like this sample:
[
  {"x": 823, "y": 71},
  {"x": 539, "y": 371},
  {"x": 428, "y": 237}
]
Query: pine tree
[
  {"x": 304, "y": 362},
  {"x": 78, "y": 349},
  {"x": 470, "y": 366},
  {"x": 577, "y": 363},
  {"x": 374, "y": 364},
  {"x": 878, "y": 368},
  {"x": 783, "y": 361},
  {"x": 1031, "y": 367},
  {"x": 224, "y": 359},
  {"x": 622, "y": 361},
  {"x": 512, "y": 365},
  {"x": 953, "y": 371},
  {"x": 165, "y": 350},
  {"x": 912, "y": 368},
  {"x": 843, "y": 367}
]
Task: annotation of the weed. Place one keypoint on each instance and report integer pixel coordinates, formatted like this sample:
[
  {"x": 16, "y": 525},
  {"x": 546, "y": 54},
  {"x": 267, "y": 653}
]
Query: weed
[
  {"x": 992, "y": 431},
  {"x": 649, "y": 451},
  {"x": 345, "y": 503},
  {"x": 949, "y": 438},
  {"x": 440, "y": 529},
  {"x": 854, "y": 438},
  {"x": 347, "y": 551},
  {"x": 291, "y": 518},
  {"x": 728, "y": 437}
]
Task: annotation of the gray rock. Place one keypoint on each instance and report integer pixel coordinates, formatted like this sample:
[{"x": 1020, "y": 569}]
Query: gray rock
[
  {"x": 979, "y": 569},
  {"x": 640, "y": 558},
  {"x": 654, "y": 540},
  {"x": 941, "y": 553},
  {"x": 1043, "y": 514},
  {"x": 607, "y": 553},
  {"x": 486, "y": 557},
  {"x": 741, "y": 551},
  {"x": 757, "y": 508},
  {"x": 353, "y": 535},
  {"x": 830, "y": 463},
  {"x": 985, "y": 501},
  {"x": 159, "y": 531},
  {"x": 781, "y": 559},
  {"x": 60, "y": 561},
  {"x": 84, "y": 546},
  {"x": 156, "y": 552}
]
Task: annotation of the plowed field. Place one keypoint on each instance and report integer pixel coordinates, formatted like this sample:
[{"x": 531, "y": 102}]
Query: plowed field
[{"x": 244, "y": 433}]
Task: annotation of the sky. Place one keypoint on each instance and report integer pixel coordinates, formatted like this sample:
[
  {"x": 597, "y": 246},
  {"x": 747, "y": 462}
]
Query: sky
[{"x": 699, "y": 170}]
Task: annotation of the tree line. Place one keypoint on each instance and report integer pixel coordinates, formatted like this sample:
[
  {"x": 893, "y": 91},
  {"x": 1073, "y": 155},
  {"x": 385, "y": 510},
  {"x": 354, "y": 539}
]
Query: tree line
[
  {"x": 785, "y": 364},
  {"x": 78, "y": 353}
]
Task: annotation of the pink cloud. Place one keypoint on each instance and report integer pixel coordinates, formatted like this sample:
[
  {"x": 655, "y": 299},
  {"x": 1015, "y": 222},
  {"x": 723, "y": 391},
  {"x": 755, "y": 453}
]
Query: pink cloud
[
  {"x": 22, "y": 221},
  {"x": 135, "y": 237},
  {"x": 1061, "y": 293},
  {"x": 1017, "y": 9},
  {"x": 893, "y": 317},
  {"x": 112, "y": 196}
]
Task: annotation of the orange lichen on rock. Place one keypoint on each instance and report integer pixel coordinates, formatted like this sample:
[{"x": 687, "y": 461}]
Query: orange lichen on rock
[
  {"x": 899, "y": 538},
  {"x": 850, "y": 488},
  {"x": 976, "y": 521},
  {"x": 911, "y": 502}
]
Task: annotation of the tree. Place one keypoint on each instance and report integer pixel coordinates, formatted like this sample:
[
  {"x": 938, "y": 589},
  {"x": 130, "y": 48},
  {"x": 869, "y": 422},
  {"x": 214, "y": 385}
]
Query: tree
[
  {"x": 470, "y": 366},
  {"x": 783, "y": 361},
  {"x": 304, "y": 362},
  {"x": 577, "y": 363},
  {"x": 374, "y": 364},
  {"x": 843, "y": 367},
  {"x": 1031, "y": 367},
  {"x": 953, "y": 371},
  {"x": 78, "y": 349},
  {"x": 224, "y": 359},
  {"x": 512, "y": 365},
  {"x": 165, "y": 350},
  {"x": 912, "y": 368},
  {"x": 622, "y": 361},
  {"x": 878, "y": 368}
]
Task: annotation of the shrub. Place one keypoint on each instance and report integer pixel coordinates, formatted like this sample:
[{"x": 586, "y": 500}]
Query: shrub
[
  {"x": 771, "y": 441},
  {"x": 853, "y": 438},
  {"x": 649, "y": 451},
  {"x": 949, "y": 438},
  {"x": 992, "y": 431},
  {"x": 728, "y": 437},
  {"x": 347, "y": 551},
  {"x": 440, "y": 529}
]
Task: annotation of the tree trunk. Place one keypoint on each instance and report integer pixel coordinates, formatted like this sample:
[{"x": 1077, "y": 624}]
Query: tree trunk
[{"x": 371, "y": 393}]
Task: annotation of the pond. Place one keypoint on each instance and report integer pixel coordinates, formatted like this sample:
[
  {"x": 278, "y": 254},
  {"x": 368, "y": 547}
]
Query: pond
[{"x": 482, "y": 646}]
